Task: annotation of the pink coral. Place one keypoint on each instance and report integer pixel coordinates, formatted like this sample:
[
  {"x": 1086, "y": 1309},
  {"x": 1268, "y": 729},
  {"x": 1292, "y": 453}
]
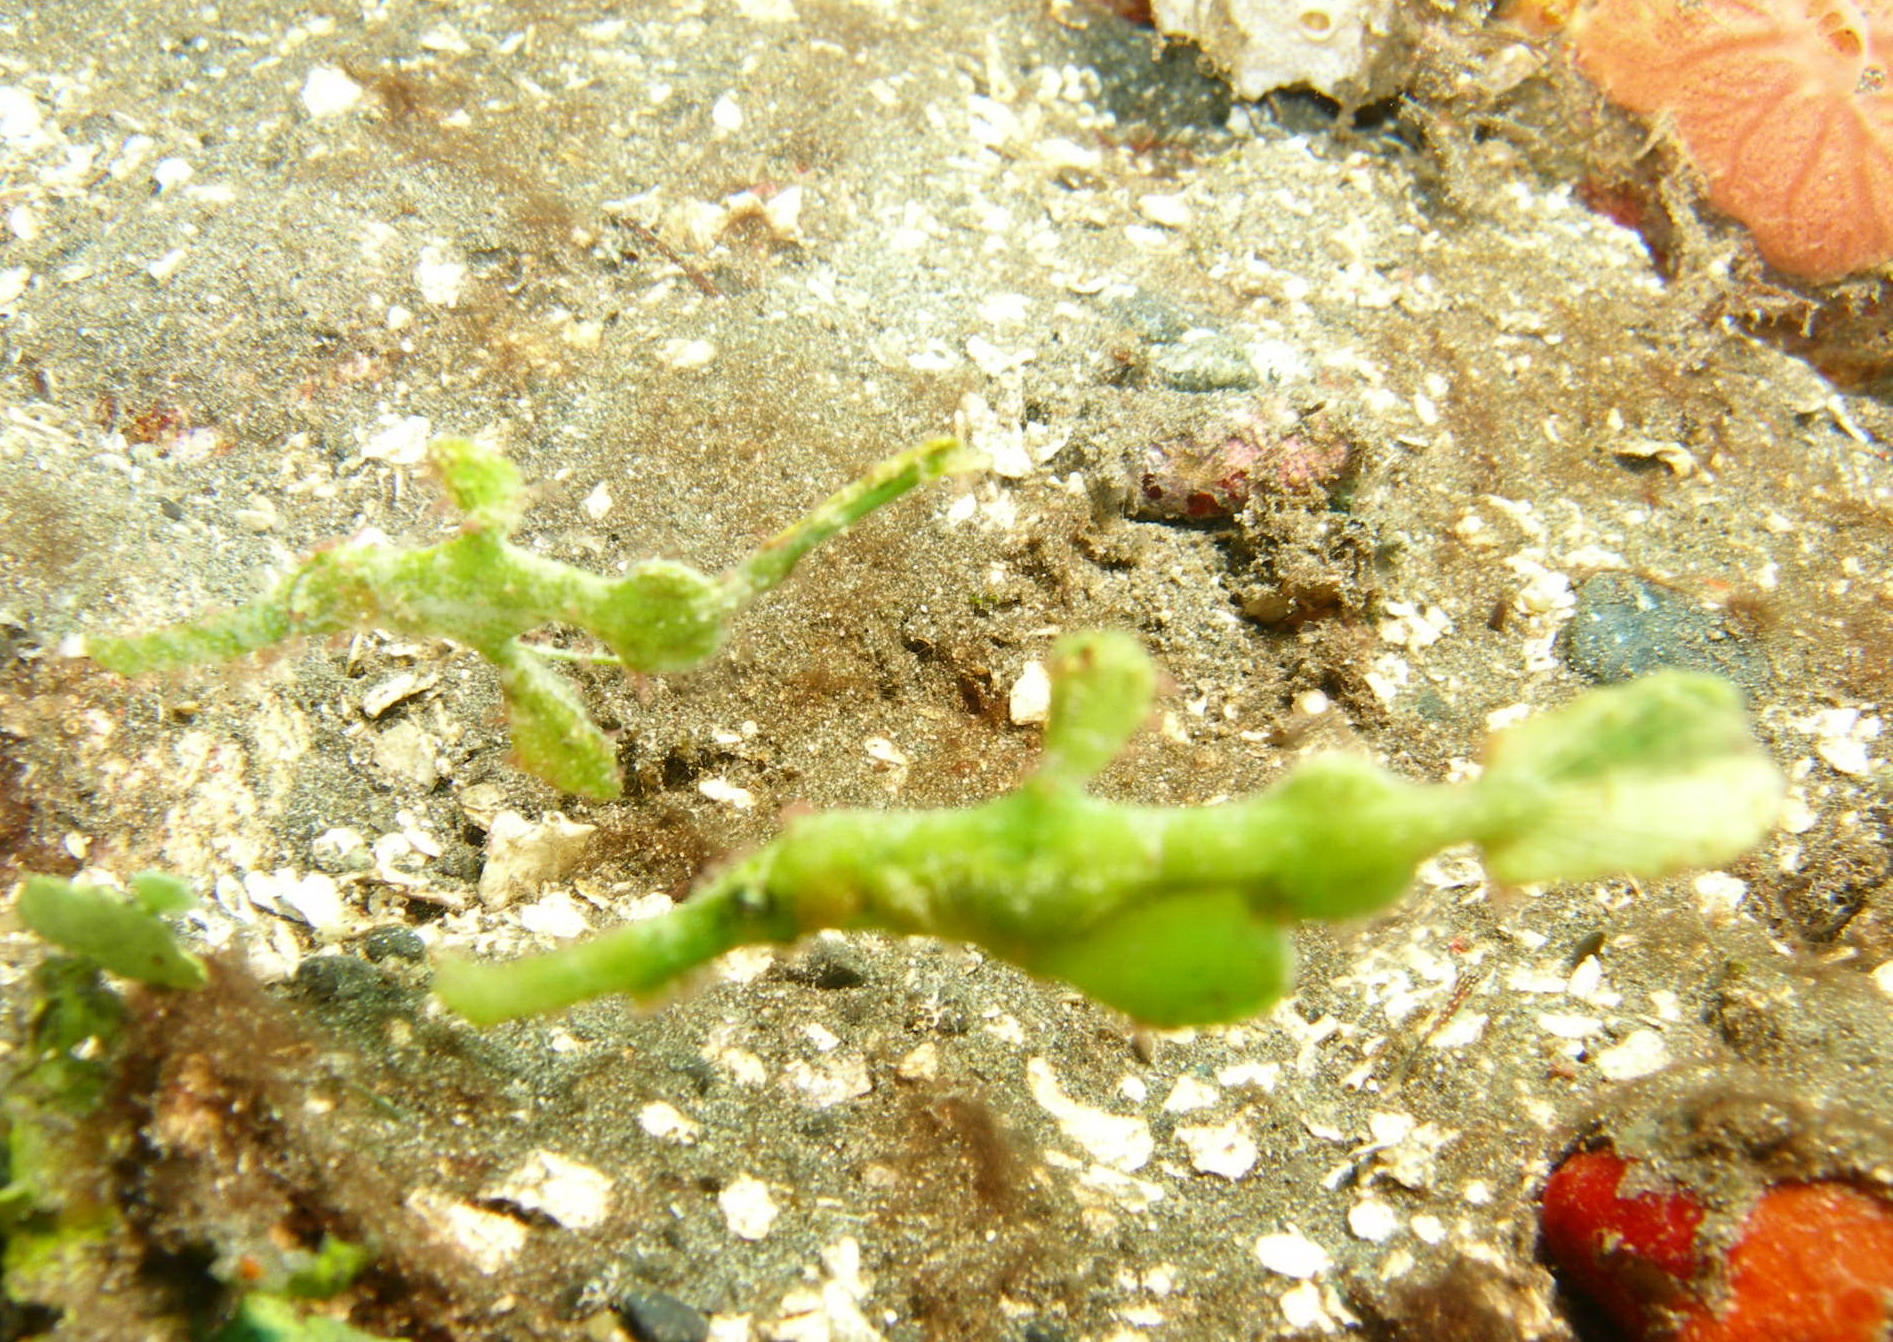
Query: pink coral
[{"x": 1786, "y": 106}]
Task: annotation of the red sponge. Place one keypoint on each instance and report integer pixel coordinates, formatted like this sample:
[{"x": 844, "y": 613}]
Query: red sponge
[{"x": 1631, "y": 1255}]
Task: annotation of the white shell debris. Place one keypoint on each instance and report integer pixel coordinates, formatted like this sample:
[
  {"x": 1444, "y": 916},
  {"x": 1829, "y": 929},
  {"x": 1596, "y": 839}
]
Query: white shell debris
[
  {"x": 167, "y": 265},
  {"x": 1166, "y": 208},
  {"x": 1842, "y": 737},
  {"x": 668, "y": 1123},
  {"x": 747, "y": 1208},
  {"x": 893, "y": 762},
  {"x": 832, "y": 1311},
  {"x": 1263, "y": 1075},
  {"x": 923, "y": 1063},
  {"x": 1719, "y": 895},
  {"x": 1641, "y": 1053},
  {"x": 1292, "y": 1254},
  {"x": 481, "y": 803},
  {"x": 329, "y": 92},
  {"x": 1270, "y": 44},
  {"x": 439, "y": 277},
  {"x": 830, "y": 1082},
  {"x": 523, "y": 854},
  {"x": 20, "y": 118},
  {"x": 1373, "y": 1220},
  {"x": 1305, "y": 1308},
  {"x": 488, "y": 1239},
  {"x": 172, "y": 172},
  {"x": 686, "y": 355},
  {"x": 726, "y": 792},
  {"x": 1568, "y": 1025},
  {"x": 556, "y": 915},
  {"x": 1190, "y": 1093},
  {"x": 1413, "y": 627},
  {"x": 1224, "y": 1149},
  {"x": 576, "y": 1196},
  {"x": 399, "y": 440},
  {"x": 339, "y": 850},
  {"x": 1466, "y": 1027},
  {"x": 399, "y": 855},
  {"x": 781, "y": 213},
  {"x": 1119, "y": 1142},
  {"x": 314, "y": 899},
  {"x": 1031, "y": 697},
  {"x": 385, "y": 694},
  {"x": 446, "y": 39}
]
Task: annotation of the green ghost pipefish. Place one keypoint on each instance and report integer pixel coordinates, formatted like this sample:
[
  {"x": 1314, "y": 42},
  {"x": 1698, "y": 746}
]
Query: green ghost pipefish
[
  {"x": 1181, "y": 915},
  {"x": 480, "y": 590}
]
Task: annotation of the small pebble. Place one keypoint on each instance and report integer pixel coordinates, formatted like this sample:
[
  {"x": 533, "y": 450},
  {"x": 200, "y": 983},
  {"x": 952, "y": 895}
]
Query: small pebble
[
  {"x": 1292, "y": 1255},
  {"x": 329, "y": 92},
  {"x": 399, "y": 943},
  {"x": 1212, "y": 363},
  {"x": 1170, "y": 210},
  {"x": 1031, "y": 698},
  {"x": 652, "y": 1316}
]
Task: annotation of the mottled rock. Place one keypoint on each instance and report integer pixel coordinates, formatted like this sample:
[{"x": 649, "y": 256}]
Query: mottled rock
[
  {"x": 1209, "y": 362},
  {"x": 1625, "y": 626},
  {"x": 400, "y": 943}
]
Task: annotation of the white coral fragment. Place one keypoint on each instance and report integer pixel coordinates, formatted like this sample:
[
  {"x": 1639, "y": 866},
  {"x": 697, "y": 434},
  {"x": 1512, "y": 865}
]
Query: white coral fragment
[
  {"x": 522, "y": 854},
  {"x": 1271, "y": 44},
  {"x": 1292, "y": 1254},
  {"x": 575, "y": 1196},
  {"x": 1118, "y": 1142},
  {"x": 329, "y": 92},
  {"x": 488, "y": 1240},
  {"x": 748, "y": 1209}
]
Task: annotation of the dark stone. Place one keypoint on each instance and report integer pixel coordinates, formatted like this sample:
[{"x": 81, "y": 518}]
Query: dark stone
[
  {"x": 339, "y": 978},
  {"x": 1039, "y": 1330},
  {"x": 652, "y": 1316},
  {"x": 825, "y": 965},
  {"x": 401, "y": 943},
  {"x": 460, "y": 861},
  {"x": 1625, "y": 626},
  {"x": 352, "y": 995}
]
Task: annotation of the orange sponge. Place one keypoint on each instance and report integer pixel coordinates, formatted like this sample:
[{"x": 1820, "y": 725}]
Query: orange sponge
[
  {"x": 1786, "y": 107},
  {"x": 1811, "y": 1262}
]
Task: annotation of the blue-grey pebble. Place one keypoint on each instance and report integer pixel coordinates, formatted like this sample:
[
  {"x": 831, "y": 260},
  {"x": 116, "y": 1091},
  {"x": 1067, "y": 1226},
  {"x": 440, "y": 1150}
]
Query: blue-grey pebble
[{"x": 1625, "y": 626}]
